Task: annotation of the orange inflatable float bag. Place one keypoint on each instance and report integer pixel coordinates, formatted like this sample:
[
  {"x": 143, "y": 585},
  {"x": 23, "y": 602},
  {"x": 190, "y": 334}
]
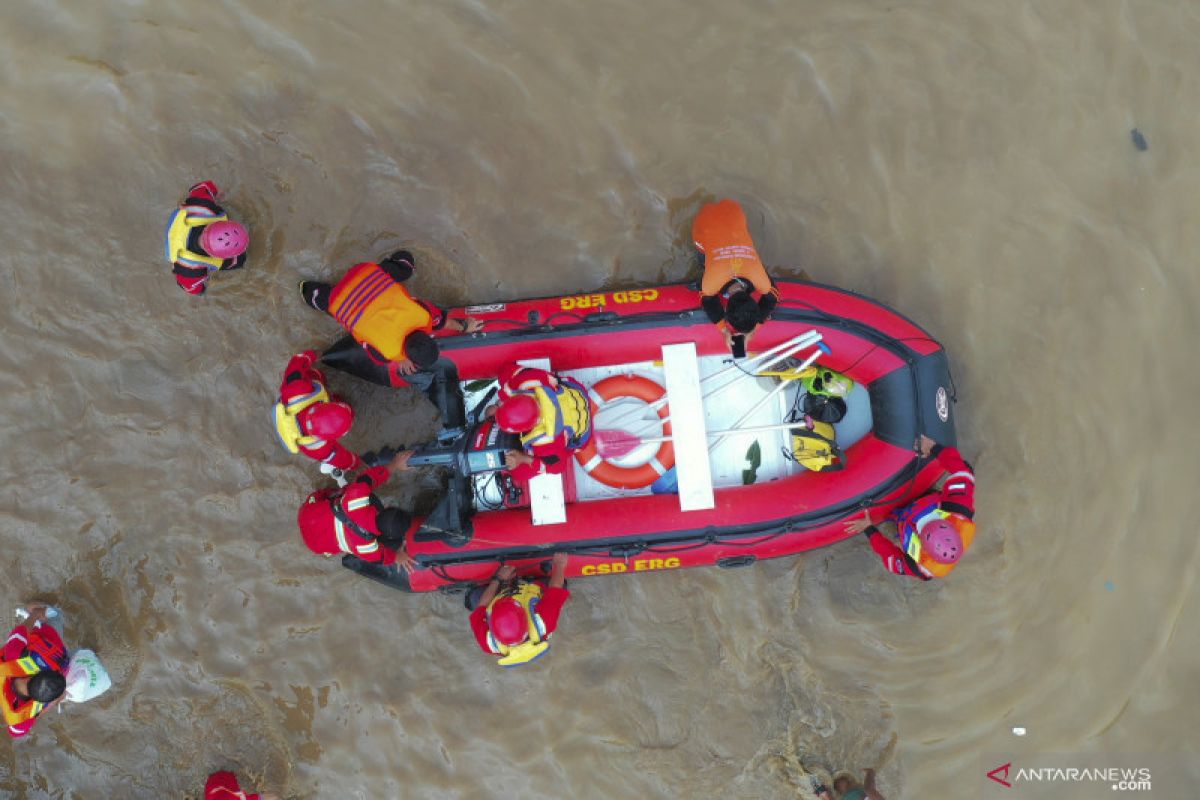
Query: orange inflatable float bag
[{"x": 377, "y": 311}]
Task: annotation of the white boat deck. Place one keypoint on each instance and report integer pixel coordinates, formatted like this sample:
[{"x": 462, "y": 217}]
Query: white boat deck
[{"x": 730, "y": 458}]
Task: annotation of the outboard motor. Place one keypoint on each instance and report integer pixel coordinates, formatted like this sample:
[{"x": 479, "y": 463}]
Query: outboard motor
[{"x": 479, "y": 448}]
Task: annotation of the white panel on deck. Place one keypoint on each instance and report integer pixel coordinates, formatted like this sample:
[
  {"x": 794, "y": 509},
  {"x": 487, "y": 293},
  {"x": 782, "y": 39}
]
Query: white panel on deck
[
  {"x": 692, "y": 470},
  {"x": 547, "y": 502}
]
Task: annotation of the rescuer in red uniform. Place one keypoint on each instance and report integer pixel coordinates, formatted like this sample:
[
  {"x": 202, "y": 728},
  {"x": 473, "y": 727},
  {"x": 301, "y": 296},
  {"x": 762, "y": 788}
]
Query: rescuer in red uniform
[
  {"x": 934, "y": 530},
  {"x": 514, "y": 618},
  {"x": 551, "y": 413},
  {"x": 309, "y": 420},
  {"x": 354, "y": 520},
  {"x": 33, "y": 665}
]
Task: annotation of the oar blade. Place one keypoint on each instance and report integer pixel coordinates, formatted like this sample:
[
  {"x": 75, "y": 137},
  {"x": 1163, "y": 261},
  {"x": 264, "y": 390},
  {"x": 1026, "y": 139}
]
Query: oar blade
[{"x": 615, "y": 443}]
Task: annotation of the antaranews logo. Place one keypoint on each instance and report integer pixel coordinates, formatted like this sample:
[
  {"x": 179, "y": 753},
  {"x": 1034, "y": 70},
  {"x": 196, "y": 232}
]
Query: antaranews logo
[{"x": 1119, "y": 779}]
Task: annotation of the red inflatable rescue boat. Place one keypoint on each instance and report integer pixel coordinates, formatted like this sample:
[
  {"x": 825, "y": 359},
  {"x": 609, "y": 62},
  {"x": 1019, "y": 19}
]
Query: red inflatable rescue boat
[{"x": 692, "y": 461}]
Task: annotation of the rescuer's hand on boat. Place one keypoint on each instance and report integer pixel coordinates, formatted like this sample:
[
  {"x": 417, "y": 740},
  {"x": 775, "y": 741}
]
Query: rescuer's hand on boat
[
  {"x": 515, "y": 458},
  {"x": 859, "y": 525},
  {"x": 558, "y": 570},
  {"x": 469, "y": 324},
  {"x": 399, "y": 462},
  {"x": 404, "y": 561},
  {"x": 925, "y": 445}
]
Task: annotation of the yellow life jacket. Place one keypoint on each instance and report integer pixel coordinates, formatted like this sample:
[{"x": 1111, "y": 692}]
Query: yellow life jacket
[
  {"x": 817, "y": 449},
  {"x": 15, "y": 716},
  {"x": 912, "y": 539},
  {"x": 376, "y": 310},
  {"x": 527, "y": 594},
  {"x": 287, "y": 424},
  {"x": 179, "y": 228},
  {"x": 563, "y": 409},
  {"x": 18, "y": 668}
]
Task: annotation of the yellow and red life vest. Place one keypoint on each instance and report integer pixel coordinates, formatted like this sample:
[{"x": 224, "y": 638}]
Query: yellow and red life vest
[
  {"x": 377, "y": 311},
  {"x": 564, "y": 408},
  {"x": 287, "y": 423},
  {"x": 915, "y": 518},
  {"x": 527, "y": 595},
  {"x": 179, "y": 229},
  {"x": 42, "y": 653},
  {"x": 17, "y": 710}
]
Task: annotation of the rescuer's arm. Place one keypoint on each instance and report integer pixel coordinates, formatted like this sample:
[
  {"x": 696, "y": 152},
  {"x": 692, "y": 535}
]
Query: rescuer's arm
[
  {"x": 558, "y": 570},
  {"x": 505, "y": 573}
]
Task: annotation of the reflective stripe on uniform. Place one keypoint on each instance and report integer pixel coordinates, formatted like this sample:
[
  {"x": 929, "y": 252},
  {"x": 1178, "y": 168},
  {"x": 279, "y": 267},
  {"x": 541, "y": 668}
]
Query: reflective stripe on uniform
[{"x": 339, "y": 530}]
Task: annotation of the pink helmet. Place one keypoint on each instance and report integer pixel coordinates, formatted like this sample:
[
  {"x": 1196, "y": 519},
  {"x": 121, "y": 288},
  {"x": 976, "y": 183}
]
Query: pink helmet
[
  {"x": 329, "y": 420},
  {"x": 942, "y": 540},
  {"x": 507, "y": 622},
  {"x": 224, "y": 239},
  {"x": 517, "y": 414}
]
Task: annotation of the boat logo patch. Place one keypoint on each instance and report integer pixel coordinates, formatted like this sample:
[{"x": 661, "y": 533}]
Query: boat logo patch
[
  {"x": 489, "y": 309},
  {"x": 942, "y": 403}
]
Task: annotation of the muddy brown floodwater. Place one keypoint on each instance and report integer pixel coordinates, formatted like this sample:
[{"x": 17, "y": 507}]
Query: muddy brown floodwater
[{"x": 969, "y": 163}]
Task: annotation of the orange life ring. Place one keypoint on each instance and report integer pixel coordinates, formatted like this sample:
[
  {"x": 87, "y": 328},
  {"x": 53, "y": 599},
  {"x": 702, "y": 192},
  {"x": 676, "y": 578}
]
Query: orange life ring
[{"x": 606, "y": 472}]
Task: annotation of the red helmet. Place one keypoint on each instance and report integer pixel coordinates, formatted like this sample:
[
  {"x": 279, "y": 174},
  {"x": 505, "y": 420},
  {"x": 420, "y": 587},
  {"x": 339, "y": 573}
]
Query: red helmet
[
  {"x": 942, "y": 540},
  {"x": 224, "y": 239},
  {"x": 507, "y": 622},
  {"x": 329, "y": 420},
  {"x": 518, "y": 413}
]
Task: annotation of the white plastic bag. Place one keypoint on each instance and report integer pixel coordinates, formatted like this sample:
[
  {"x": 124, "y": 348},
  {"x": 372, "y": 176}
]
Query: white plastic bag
[{"x": 86, "y": 677}]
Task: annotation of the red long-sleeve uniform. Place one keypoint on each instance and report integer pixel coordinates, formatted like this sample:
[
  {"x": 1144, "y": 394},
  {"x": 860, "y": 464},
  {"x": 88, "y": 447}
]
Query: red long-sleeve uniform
[
  {"x": 548, "y": 608},
  {"x": 300, "y": 378},
  {"x": 550, "y": 457},
  {"x": 957, "y": 495},
  {"x": 325, "y": 534},
  {"x": 224, "y": 786}
]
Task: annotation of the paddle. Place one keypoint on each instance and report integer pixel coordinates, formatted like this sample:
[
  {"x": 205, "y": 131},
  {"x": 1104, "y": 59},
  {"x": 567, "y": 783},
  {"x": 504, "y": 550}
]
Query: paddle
[{"x": 617, "y": 443}]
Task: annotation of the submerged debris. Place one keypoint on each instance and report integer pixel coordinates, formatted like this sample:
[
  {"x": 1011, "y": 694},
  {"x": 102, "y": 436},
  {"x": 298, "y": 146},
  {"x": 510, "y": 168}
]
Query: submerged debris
[{"x": 1139, "y": 141}]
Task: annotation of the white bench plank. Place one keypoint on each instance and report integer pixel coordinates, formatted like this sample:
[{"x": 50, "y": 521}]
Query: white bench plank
[
  {"x": 547, "y": 502},
  {"x": 692, "y": 469}
]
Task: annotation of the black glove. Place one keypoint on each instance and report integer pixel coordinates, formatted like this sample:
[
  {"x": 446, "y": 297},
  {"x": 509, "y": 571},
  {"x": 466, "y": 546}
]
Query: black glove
[{"x": 380, "y": 457}]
